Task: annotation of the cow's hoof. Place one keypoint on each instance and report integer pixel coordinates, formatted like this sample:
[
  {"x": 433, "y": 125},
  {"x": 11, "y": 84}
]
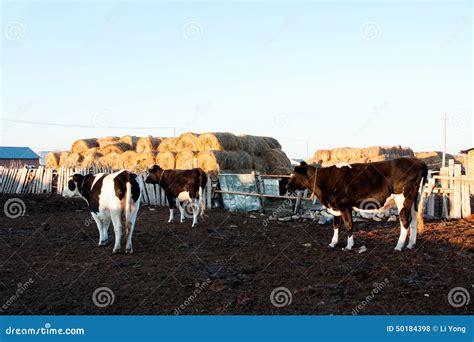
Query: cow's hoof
[
  {"x": 172, "y": 221},
  {"x": 410, "y": 246},
  {"x": 182, "y": 221},
  {"x": 331, "y": 246},
  {"x": 398, "y": 249},
  {"x": 345, "y": 249},
  {"x": 103, "y": 243},
  {"x": 129, "y": 251},
  {"x": 116, "y": 251}
]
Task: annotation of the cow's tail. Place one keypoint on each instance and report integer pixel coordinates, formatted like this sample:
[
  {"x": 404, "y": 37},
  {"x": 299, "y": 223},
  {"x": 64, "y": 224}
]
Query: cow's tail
[
  {"x": 424, "y": 175},
  {"x": 128, "y": 200},
  {"x": 202, "y": 198}
]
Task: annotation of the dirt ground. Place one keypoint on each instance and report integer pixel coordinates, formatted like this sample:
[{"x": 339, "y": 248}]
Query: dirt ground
[{"x": 230, "y": 264}]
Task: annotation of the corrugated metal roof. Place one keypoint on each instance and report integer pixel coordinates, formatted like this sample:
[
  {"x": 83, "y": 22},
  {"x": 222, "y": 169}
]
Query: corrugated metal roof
[{"x": 8, "y": 152}]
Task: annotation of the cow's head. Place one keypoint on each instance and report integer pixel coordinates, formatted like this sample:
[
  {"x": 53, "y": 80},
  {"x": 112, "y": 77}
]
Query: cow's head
[
  {"x": 73, "y": 186},
  {"x": 154, "y": 175},
  {"x": 299, "y": 179}
]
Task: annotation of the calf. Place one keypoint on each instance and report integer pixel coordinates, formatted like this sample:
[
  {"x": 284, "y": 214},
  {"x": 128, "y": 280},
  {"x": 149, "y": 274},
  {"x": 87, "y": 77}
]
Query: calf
[
  {"x": 109, "y": 197},
  {"x": 370, "y": 187},
  {"x": 182, "y": 187}
]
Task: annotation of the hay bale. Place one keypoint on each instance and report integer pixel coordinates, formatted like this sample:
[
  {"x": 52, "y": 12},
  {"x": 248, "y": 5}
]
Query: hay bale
[
  {"x": 128, "y": 160},
  {"x": 277, "y": 161},
  {"x": 145, "y": 160},
  {"x": 185, "y": 160},
  {"x": 63, "y": 157},
  {"x": 73, "y": 160},
  {"x": 131, "y": 140},
  {"x": 116, "y": 147},
  {"x": 107, "y": 140},
  {"x": 272, "y": 142},
  {"x": 253, "y": 144},
  {"x": 218, "y": 142},
  {"x": 52, "y": 160},
  {"x": 187, "y": 141},
  {"x": 259, "y": 164},
  {"x": 166, "y": 160},
  {"x": 91, "y": 158},
  {"x": 235, "y": 161},
  {"x": 168, "y": 145},
  {"x": 360, "y": 155},
  {"x": 147, "y": 144},
  {"x": 113, "y": 160},
  {"x": 82, "y": 145}
]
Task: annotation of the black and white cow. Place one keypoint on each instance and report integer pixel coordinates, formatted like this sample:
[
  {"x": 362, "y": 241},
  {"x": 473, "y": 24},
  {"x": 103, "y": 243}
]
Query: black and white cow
[
  {"x": 183, "y": 188},
  {"x": 367, "y": 187},
  {"x": 109, "y": 197}
]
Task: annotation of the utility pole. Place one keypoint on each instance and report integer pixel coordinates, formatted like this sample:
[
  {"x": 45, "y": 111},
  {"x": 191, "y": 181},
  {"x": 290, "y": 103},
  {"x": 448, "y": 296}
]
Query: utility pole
[{"x": 445, "y": 119}]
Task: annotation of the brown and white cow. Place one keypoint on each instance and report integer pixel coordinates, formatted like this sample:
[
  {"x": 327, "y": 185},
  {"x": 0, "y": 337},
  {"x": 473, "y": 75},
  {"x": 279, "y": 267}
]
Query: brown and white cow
[
  {"x": 183, "y": 188},
  {"x": 367, "y": 187},
  {"x": 109, "y": 197}
]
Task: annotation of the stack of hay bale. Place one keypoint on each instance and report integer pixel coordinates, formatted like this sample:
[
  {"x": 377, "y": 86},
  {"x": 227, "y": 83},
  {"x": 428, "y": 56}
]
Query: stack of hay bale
[
  {"x": 213, "y": 152},
  {"x": 359, "y": 155}
]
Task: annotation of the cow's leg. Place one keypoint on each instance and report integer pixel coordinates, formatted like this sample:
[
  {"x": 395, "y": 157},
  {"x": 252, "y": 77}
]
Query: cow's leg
[
  {"x": 196, "y": 209},
  {"x": 413, "y": 228},
  {"x": 171, "y": 204},
  {"x": 99, "y": 224},
  {"x": 404, "y": 209},
  {"x": 105, "y": 231},
  {"x": 117, "y": 223},
  {"x": 336, "y": 224},
  {"x": 133, "y": 218},
  {"x": 346, "y": 216},
  {"x": 181, "y": 211}
]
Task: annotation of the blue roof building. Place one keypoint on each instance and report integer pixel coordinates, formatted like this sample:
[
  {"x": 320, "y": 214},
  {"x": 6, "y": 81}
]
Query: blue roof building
[{"x": 17, "y": 156}]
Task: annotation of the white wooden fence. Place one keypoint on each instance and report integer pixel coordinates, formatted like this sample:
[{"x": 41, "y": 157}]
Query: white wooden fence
[{"x": 46, "y": 180}]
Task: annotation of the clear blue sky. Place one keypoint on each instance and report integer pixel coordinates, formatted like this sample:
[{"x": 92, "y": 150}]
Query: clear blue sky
[{"x": 338, "y": 74}]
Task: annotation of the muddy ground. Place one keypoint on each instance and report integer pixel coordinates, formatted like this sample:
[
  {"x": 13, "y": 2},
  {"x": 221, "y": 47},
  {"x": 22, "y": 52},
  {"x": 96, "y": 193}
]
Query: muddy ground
[{"x": 230, "y": 264}]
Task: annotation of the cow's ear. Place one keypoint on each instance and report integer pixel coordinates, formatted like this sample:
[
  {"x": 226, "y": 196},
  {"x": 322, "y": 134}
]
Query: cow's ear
[
  {"x": 303, "y": 163},
  {"x": 302, "y": 170},
  {"x": 77, "y": 177}
]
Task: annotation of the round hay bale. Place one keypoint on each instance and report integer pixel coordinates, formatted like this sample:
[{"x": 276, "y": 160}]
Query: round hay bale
[
  {"x": 83, "y": 145},
  {"x": 166, "y": 160},
  {"x": 236, "y": 161},
  {"x": 253, "y": 144},
  {"x": 63, "y": 157},
  {"x": 258, "y": 164},
  {"x": 147, "y": 144},
  {"x": 130, "y": 140},
  {"x": 106, "y": 140},
  {"x": 185, "y": 160},
  {"x": 187, "y": 141},
  {"x": 117, "y": 147},
  {"x": 277, "y": 161},
  {"x": 218, "y": 142},
  {"x": 168, "y": 145},
  {"x": 52, "y": 159},
  {"x": 91, "y": 158},
  {"x": 129, "y": 160},
  {"x": 272, "y": 142},
  {"x": 113, "y": 160},
  {"x": 145, "y": 160},
  {"x": 74, "y": 160}
]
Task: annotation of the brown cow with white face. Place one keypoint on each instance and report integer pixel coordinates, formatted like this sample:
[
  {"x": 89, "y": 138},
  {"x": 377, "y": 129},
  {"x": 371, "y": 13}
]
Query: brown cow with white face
[{"x": 366, "y": 187}]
